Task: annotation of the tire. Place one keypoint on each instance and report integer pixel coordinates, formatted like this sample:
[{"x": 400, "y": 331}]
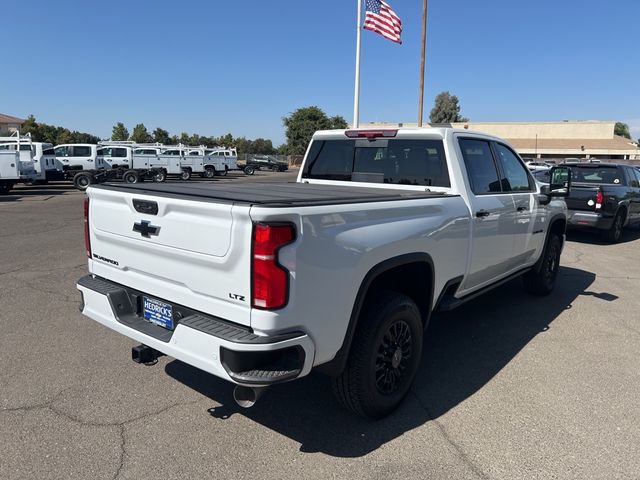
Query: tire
[
  {"x": 209, "y": 172},
  {"x": 223, "y": 173},
  {"x": 82, "y": 180},
  {"x": 275, "y": 169},
  {"x": 186, "y": 174},
  {"x": 249, "y": 170},
  {"x": 614, "y": 234},
  {"x": 5, "y": 188},
  {"x": 541, "y": 280},
  {"x": 160, "y": 176},
  {"x": 376, "y": 379},
  {"x": 130, "y": 176}
]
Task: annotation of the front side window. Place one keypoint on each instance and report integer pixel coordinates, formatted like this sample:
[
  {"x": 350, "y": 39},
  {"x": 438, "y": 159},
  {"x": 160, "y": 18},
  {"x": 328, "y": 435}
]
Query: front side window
[
  {"x": 393, "y": 161},
  {"x": 481, "y": 168},
  {"x": 61, "y": 151},
  {"x": 119, "y": 152},
  {"x": 516, "y": 178}
]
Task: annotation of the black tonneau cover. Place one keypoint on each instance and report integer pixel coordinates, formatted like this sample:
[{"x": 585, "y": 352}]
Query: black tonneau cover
[{"x": 272, "y": 194}]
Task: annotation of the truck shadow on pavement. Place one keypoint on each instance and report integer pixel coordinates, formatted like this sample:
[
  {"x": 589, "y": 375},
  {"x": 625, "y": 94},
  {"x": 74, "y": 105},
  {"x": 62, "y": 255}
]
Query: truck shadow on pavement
[
  {"x": 594, "y": 237},
  {"x": 464, "y": 350},
  {"x": 27, "y": 191}
]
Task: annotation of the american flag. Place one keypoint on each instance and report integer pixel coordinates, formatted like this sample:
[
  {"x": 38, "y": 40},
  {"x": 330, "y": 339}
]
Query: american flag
[{"x": 382, "y": 19}]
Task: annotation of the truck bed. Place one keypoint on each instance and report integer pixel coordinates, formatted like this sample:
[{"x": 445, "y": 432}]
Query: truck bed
[{"x": 272, "y": 194}]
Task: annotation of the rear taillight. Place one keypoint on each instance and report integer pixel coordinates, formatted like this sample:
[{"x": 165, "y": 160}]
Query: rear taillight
[
  {"x": 87, "y": 240},
  {"x": 270, "y": 279},
  {"x": 599, "y": 199}
]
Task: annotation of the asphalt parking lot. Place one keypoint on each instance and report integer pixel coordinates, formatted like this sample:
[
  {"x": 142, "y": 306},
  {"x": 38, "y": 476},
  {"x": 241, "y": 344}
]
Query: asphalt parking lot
[{"x": 511, "y": 386}]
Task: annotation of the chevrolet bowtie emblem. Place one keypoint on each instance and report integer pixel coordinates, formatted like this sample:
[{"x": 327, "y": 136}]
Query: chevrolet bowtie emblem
[{"x": 146, "y": 229}]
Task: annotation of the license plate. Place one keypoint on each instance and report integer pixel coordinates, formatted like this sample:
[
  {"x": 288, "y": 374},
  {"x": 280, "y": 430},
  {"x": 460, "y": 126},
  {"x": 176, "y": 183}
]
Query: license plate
[{"x": 157, "y": 312}]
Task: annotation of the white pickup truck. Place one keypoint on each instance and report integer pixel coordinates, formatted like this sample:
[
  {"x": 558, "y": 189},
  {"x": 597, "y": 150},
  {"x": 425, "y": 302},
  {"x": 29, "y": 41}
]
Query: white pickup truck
[{"x": 340, "y": 271}]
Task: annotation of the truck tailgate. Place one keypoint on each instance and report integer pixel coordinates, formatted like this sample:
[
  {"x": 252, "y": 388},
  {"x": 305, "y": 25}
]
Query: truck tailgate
[
  {"x": 193, "y": 253},
  {"x": 582, "y": 197}
]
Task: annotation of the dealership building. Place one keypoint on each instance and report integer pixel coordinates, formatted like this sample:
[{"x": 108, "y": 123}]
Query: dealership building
[
  {"x": 9, "y": 124},
  {"x": 554, "y": 140}
]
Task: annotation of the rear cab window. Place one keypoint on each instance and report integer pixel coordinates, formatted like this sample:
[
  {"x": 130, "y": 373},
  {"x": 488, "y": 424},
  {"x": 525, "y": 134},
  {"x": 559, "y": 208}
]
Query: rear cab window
[
  {"x": 597, "y": 175},
  {"x": 391, "y": 161}
]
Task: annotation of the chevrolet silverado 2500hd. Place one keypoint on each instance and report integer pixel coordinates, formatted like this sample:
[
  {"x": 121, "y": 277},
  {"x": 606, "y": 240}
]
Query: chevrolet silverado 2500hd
[{"x": 340, "y": 271}]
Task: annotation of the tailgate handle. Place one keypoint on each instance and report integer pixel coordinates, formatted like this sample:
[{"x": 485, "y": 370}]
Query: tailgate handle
[{"x": 145, "y": 206}]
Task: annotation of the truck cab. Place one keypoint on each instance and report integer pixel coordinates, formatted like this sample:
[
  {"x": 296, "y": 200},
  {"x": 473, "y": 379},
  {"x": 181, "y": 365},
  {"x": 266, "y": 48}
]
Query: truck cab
[
  {"x": 116, "y": 156},
  {"x": 80, "y": 156}
]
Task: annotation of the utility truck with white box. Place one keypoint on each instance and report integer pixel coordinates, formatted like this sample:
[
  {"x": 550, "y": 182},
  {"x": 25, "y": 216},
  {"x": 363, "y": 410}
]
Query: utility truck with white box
[
  {"x": 341, "y": 271},
  {"x": 39, "y": 155},
  {"x": 13, "y": 170}
]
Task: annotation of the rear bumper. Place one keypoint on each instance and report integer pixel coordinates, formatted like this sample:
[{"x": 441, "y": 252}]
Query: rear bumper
[
  {"x": 226, "y": 350},
  {"x": 589, "y": 219}
]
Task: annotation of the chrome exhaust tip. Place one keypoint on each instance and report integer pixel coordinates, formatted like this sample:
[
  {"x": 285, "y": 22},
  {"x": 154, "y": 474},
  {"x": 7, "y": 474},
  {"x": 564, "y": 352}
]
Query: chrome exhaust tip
[{"x": 246, "y": 397}]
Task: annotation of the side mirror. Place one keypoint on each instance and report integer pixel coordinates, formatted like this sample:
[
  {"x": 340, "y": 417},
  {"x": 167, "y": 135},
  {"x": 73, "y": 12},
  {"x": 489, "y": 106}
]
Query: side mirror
[{"x": 559, "y": 182}]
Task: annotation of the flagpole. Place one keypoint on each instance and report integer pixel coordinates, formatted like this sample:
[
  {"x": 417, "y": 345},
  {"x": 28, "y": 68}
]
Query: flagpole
[
  {"x": 422, "y": 55},
  {"x": 356, "y": 94}
]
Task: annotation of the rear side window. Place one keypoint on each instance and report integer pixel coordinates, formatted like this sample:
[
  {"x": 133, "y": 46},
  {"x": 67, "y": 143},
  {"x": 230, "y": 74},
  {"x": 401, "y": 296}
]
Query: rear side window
[
  {"x": 516, "y": 178},
  {"x": 394, "y": 161},
  {"x": 49, "y": 151},
  {"x": 481, "y": 168},
  {"x": 81, "y": 151},
  {"x": 634, "y": 177}
]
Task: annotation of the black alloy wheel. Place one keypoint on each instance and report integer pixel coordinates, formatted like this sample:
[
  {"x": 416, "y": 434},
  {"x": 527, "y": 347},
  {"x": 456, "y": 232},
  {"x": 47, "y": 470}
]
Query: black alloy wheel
[{"x": 394, "y": 355}]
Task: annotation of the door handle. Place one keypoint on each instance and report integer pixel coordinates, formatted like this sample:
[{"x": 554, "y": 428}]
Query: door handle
[
  {"x": 482, "y": 213},
  {"x": 522, "y": 209}
]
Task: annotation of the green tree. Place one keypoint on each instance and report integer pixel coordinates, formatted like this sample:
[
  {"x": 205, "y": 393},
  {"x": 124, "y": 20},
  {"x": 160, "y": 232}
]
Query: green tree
[
  {"x": 622, "y": 130},
  {"x": 30, "y": 126},
  {"x": 242, "y": 145},
  {"x": 446, "y": 109},
  {"x": 184, "y": 139},
  {"x": 262, "y": 146},
  {"x": 119, "y": 132},
  {"x": 140, "y": 134},
  {"x": 161, "y": 136},
  {"x": 338, "y": 122},
  {"x": 302, "y": 124},
  {"x": 226, "y": 140}
]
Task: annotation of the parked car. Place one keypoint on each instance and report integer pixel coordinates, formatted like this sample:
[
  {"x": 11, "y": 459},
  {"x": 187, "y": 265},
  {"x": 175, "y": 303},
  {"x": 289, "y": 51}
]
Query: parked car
[
  {"x": 535, "y": 166},
  {"x": 604, "y": 196},
  {"x": 264, "y": 162},
  {"x": 259, "y": 284}
]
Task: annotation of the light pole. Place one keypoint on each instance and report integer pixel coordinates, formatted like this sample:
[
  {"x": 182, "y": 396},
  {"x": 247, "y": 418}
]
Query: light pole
[{"x": 424, "y": 48}]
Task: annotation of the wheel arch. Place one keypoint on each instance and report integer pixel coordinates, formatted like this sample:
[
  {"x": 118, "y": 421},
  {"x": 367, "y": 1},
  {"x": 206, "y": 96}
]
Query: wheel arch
[{"x": 410, "y": 274}]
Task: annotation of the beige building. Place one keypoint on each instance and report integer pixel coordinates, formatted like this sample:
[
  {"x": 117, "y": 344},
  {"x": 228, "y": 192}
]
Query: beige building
[
  {"x": 557, "y": 140},
  {"x": 9, "y": 124}
]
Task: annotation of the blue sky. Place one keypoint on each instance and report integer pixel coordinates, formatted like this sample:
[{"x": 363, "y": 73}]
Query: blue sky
[{"x": 213, "y": 67}]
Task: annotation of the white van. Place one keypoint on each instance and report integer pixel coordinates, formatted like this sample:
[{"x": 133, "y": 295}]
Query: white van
[{"x": 80, "y": 156}]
